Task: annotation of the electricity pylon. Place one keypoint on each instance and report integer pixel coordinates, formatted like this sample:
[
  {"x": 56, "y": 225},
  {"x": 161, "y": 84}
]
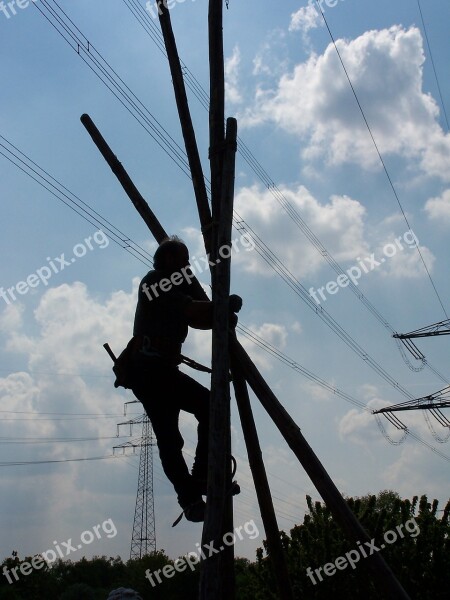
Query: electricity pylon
[{"x": 143, "y": 539}]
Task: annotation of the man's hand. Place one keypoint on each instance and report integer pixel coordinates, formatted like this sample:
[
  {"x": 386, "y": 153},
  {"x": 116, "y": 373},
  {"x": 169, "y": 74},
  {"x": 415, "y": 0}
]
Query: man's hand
[
  {"x": 232, "y": 320},
  {"x": 235, "y": 303},
  {"x": 199, "y": 314}
]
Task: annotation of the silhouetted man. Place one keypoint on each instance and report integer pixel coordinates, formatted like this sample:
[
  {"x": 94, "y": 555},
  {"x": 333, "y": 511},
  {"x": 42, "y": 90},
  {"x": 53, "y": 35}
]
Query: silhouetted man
[{"x": 165, "y": 310}]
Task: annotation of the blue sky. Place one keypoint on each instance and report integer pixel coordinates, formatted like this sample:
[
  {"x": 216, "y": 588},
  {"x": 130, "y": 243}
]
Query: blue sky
[{"x": 298, "y": 116}]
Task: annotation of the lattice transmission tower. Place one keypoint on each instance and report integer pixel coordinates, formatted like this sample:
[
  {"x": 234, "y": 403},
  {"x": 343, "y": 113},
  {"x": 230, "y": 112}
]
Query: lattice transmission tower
[{"x": 143, "y": 538}]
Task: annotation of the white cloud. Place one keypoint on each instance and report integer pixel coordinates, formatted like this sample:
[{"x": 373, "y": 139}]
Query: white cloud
[
  {"x": 306, "y": 18},
  {"x": 438, "y": 209},
  {"x": 232, "y": 64},
  {"x": 400, "y": 258},
  {"x": 315, "y": 103},
  {"x": 271, "y": 60},
  {"x": 269, "y": 332},
  {"x": 338, "y": 224}
]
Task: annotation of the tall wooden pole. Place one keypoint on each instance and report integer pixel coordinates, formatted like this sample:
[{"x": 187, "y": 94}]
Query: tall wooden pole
[{"x": 217, "y": 574}]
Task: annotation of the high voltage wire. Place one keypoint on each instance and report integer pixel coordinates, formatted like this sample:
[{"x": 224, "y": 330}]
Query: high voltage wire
[
  {"x": 265, "y": 252},
  {"x": 61, "y": 418},
  {"x": 103, "y": 70},
  {"x": 276, "y": 352},
  {"x": 20, "y": 463},
  {"x": 59, "y": 191},
  {"x": 263, "y": 249},
  {"x": 26, "y": 441},
  {"x": 432, "y": 62},
  {"x": 65, "y": 414},
  {"x": 202, "y": 96},
  {"x": 391, "y": 183}
]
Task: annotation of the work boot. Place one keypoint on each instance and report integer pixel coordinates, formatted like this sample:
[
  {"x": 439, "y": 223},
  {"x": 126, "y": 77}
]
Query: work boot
[
  {"x": 195, "y": 511},
  {"x": 199, "y": 476}
]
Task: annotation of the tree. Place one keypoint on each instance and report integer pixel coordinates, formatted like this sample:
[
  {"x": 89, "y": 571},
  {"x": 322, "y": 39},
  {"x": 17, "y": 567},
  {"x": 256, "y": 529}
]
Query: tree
[{"x": 416, "y": 547}]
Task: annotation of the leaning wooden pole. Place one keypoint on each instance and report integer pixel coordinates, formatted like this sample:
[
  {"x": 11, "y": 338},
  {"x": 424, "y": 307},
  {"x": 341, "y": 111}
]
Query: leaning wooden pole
[
  {"x": 217, "y": 101},
  {"x": 383, "y": 577},
  {"x": 134, "y": 194},
  {"x": 187, "y": 127},
  {"x": 131, "y": 190},
  {"x": 217, "y": 574},
  {"x": 276, "y": 551}
]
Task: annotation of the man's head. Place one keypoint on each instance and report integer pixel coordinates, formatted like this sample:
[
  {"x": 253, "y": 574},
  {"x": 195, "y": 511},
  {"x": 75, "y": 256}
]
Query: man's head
[
  {"x": 124, "y": 594},
  {"x": 171, "y": 255}
]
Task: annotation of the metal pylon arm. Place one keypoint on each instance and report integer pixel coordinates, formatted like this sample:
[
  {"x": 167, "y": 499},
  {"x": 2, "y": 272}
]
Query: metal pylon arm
[
  {"x": 441, "y": 328},
  {"x": 440, "y": 399}
]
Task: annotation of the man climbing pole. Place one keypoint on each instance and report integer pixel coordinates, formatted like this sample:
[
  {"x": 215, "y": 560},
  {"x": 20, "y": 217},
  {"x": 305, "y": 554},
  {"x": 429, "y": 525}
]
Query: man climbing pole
[{"x": 166, "y": 308}]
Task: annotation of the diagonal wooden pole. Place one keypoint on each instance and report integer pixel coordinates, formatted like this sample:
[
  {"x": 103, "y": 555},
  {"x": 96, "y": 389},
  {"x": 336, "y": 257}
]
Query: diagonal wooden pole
[
  {"x": 134, "y": 194},
  {"x": 187, "y": 127},
  {"x": 117, "y": 168},
  {"x": 383, "y": 577}
]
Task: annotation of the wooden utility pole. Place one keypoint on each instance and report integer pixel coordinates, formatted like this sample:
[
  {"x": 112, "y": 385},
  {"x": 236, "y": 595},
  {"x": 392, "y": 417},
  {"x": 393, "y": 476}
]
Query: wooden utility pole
[
  {"x": 131, "y": 190},
  {"x": 217, "y": 576}
]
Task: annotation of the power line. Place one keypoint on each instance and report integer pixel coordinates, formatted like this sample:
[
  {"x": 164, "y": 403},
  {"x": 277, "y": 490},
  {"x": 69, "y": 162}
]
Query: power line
[
  {"x": 268, "y": 347},
  {"x": 61, "y": 419},
  {"x": 202, "y": 96},
  {"x": 103, "y": 70},
  {"x": 47, "y": 462},
  {"x": 26, "y": 441},
  {"x": 391, "y": 183},
  {"x": 432, "y": 62},
  {"x": 71, "y": 200},
  {"x": 283, "y": 271}
]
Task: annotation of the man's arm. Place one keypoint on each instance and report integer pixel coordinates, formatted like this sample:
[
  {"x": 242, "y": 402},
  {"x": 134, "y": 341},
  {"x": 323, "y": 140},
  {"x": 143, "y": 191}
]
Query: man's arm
[{"x": 199, "y": 314}]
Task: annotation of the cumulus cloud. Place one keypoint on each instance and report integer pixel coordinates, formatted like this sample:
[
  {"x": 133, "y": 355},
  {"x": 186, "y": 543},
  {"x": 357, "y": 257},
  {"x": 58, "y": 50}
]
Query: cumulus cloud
[
  {"x": 67, "y": 378},
  {"x": 271, "y": 60},
  {"x": 306, "y": 18},
  {"x": 438, "y": 209},
  {"x": 270, "y": 332},
  {"x": 315, "y": 103},
  {"x": 339, "y": 224},
  {"x": 232, "y": 63},
  {"x": 360, "y": 426},
  {"x": 400, "y": 257}
]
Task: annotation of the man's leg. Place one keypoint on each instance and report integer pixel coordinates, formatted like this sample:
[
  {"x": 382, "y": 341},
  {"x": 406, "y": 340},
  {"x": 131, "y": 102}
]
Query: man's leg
[
  {"x": 156, "y": 387},
  {"x": 194, "y": 398}
]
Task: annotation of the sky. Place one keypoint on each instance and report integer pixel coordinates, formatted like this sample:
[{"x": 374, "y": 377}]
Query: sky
[{"x": 349, "y": 143}]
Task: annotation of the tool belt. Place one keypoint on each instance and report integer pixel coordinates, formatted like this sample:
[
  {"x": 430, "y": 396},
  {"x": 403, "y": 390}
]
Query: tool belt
[
  {"x": 168, "y": 348},
  {"x": 122, "y": 365}
]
